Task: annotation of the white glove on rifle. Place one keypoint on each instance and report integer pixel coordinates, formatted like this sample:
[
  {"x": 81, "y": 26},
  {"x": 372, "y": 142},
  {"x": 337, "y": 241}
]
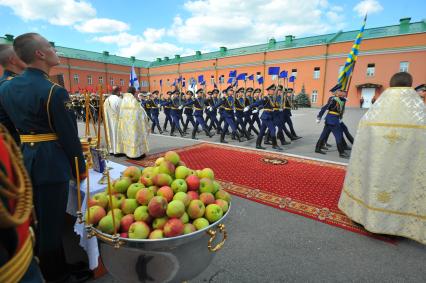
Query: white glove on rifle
[
  {"x": 158, "y": 105},
  {"x": 180, "y": 107},
  {"x": 255, "y": 111},
  {"x": 318, "y": 120},
  {"x": 247, "y": 108},
  {"x": 210, "y": 108}
]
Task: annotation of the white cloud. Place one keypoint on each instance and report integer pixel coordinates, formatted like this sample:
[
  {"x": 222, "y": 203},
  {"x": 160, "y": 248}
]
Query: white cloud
[
  {"x": 56, "y": 12},
  {"x": 101, "y": 25},
  {"x": 64, "y": 13},
  {"x": 144, "y": 46},
  {"x": 368, "y": 6},
  {"x": 232, "y": 23}
]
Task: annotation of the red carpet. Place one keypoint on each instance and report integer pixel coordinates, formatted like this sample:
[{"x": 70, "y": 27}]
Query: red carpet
[{"x": 305, "y": 187}]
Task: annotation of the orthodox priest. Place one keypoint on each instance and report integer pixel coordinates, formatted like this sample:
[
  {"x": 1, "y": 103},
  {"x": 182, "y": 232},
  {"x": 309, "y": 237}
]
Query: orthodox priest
[
  {"x": 112, "y": 113},
  {"x": 133, "y": 127},
  {"x": 385, "y": 183}
]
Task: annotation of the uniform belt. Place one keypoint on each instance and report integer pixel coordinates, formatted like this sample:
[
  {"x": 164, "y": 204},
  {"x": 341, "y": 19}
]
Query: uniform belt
[
  {"x": 39, "y": 137},
  {"x": 268, "y": 110},
  {"x": 17, "y": 266},
  {"x": 228, "y": 109},
  {"x": 198, "y": 108},
  {"x": 174, "y": 108},
  {"x": 276, "y": 109},
  {"x": 334, "y": 113}
]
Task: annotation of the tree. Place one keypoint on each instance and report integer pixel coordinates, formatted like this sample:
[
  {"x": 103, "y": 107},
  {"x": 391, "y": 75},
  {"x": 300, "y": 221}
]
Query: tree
[{"x": 302, "y": 99}]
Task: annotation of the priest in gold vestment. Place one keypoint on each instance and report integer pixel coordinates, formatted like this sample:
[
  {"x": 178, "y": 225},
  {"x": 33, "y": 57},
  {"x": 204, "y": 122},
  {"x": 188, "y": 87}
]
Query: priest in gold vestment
[
  {"x": 133, "y": 127},
  {"x": 385, "y": 184},
  {"x": 112, "y": 112}
]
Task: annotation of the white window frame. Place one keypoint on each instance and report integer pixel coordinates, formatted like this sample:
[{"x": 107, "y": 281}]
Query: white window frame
[
  {"x": 314, "y": 96},
  {"x": 404, "y": 66},
  {"x": 89, "y": 80},
  {"x": 294, "y": 73},
  {"x": 76, "y": 78},
  {"x": 371, "y": 71},
  {"x": 122, "y": 82},
  {"x": 317, "y": 73},
  {"x": 101, "y": 79},
  {"x": 111, "y": 80}
]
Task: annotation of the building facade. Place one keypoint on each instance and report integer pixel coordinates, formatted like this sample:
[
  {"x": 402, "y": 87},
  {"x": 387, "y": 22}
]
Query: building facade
[{"x": 315, "y": 62}]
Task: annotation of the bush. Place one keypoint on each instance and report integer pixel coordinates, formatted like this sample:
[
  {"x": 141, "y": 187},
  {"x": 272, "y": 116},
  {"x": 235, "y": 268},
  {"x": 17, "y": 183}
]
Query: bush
[{"x": 302, "y": 99}]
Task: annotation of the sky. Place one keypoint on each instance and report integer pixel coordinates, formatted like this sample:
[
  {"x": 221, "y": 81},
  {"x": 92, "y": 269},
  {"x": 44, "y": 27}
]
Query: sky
[{"x": 151, "y": 29}]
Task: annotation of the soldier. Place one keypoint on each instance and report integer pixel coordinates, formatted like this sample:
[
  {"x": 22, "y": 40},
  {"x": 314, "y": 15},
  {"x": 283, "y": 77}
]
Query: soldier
[
  {"x": 335, "y": 106},
  {"x": 228, "y": 114},
  {"x": 154, "y": 105},
  {"x": 188, "y": 110},
  {"x": 146, "y": 105},
  {"x": 257, "y": 95},
  {"x": 206, "y": 103},
  {"x": 212, "y": 112},
  {"x": 287, "y": 115},
  {"x": 41, "y": 112},
  {"x": 167, "y": 109},
  {"x": 278, "y": 115},
  {"x": 175, "y": 105},
  {"x": 240, "y": 104},
  {"x": 198, "y": 114},
  {"x": 17, "y": 263},
  {"x": 267, "y": 103},
  {"x": 248, "y": 115},
  {"x": 12, "y": 66}
]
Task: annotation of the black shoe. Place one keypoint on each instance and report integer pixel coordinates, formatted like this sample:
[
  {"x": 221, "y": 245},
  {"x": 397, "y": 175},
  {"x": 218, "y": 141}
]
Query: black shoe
[
  {"x": 347, "y": 147},
  {"x": 318, "y": 150},
  {"x": 328, "y": 145},
  {"x": 275, "y": 144},
  {"x": 208, "y": 133},
  {"x": 344, "y": 155},
  {"x": 284, "y": 142}
]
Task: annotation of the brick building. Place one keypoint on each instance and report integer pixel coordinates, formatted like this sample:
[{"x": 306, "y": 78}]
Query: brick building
[{"x": 315, "y": 61}]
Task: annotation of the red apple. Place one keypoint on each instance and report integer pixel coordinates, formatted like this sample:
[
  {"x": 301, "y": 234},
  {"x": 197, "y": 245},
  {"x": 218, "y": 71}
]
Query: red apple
[
  {"x": 173, "y": 228},
  {"x": 126, "y": 221},
  {"x": 193, "y": 182},
  {"x": 157, "y": 206},
  {"x": 166, "y": 192}
]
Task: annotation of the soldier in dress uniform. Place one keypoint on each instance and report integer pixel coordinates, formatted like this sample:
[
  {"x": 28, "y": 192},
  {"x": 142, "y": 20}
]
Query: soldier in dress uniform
[
  {"x": 267, "y": 103},
  {"x": 41, "y": 112},
  {"x": 212, "y": 111},
  {"x": 146, "y": 105},
  {"x": 335, "y": 106},
  {"x": 166, "y": 108},
  {"x": 17, "y": 262},
  {"x": 198, "y": 114},
  {"x": 228, "y": 114},
  {"x": 154, "y": 105},
  {"x": 175, "y": 105},
  {"x": 257, "y": 93},
  {"x": 188, "y": 110},
  {"x": 248, "y": 120},
  {"x": 240, "y": 104},
  {"x": 12, "y": 66},
  {"x": 207, "y": 103},
  {"x": 287, "y": 115}
]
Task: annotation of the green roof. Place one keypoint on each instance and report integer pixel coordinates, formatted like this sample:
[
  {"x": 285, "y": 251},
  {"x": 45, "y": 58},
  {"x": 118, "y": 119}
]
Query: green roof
[{"x": 405, "y": 27}]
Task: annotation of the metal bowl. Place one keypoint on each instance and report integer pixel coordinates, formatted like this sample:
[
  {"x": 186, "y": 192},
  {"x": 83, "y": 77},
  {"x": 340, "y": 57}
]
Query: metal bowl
[{"x": 163, "y": 260}]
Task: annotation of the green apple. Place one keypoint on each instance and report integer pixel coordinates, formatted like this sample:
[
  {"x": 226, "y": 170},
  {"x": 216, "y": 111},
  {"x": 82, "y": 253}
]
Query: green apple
[
  {"x": 175, "y": 208},
  {"x": 106, "y": 224},
  {"x": 213, "y": 213},
  {"x": 183, "y": 197},
  {"x": 139, "y": 230},
  {"x": 158, "y": 161},
  {"x": 207, "y": 173},
  {"x": 172, "y": 156},
  {"x": 206, "y": 185},
  {"x": 128, "y": 206},
  {"x": 158, "y": 223},
  {"x": 121, "y": 185},
  {"x": 133, "y": 189},
  {"x": 117, "y": 200},
  {"x": 182, "y": 172},
  {"x": 132, "y": 172},
  {"x": 184, "y": 218},
  {"x": 118, "y": 214},
  {"x": 200, "y": 223},
  {"x": 188, "y": 228},
  {"x": 222, "y": 194},
  {"x": 179, "y": 185},
  {"x": 100, "y": 199},
  {"x": 141, "y": 214},
  {"x": 156, "y": 234},
  {"x": 216, "y": 187}
]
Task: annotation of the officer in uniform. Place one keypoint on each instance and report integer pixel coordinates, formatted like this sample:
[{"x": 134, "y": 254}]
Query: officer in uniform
[
  {"x": 212, "y": 111},
  {"x": 41, "y": 112},
  {"x": 335, "y": 106},
  {"x": 257, "y": 93},
  {"x": 198, "y": 103},
  {"x": 267, "y": 103},
  {"x": 279, "y": 115},
  {"x": 240, "y": 104},
  {"x": 175, "y": 105},
  {"x": 207, "y": 103},
  {"x": 249, "y": 114},
  {"x": 154, "y": 106},
  {"x": 12, "y": 66},
  {"x": 287, "y": 116},
  {"x": 189, "y": 111},
  {"x": 146, "y": 105},
  {"x": 228, "y": 114},
  {"x": 167, "y": 108}
]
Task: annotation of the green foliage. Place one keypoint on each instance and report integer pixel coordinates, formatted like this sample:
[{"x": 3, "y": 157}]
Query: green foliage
[{"x": 302, "y": 99}]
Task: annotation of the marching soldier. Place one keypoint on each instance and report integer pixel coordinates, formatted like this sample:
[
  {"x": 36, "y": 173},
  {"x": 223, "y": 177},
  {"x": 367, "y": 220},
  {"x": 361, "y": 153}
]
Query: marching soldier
[
  {"x": 41, "y": 112},
  {"x": 189, "y": 111},
  {"x": 257, "y": 95},
  {"x": 334, "y": 106},
  {"x": 249, "y": 114},
  {"x": 146, "y": 105},
  {"x": 212, "y": 112},
  {"x": 228, "y": 114},
  {"x": 287, "y": 115},
  {"x": 175, "y": 105},
  {"x": 167, "y": 109},
  {"x": 12, "y": 66},
  {"x": 154, "y": 106},
  {"x": 208, "y": 118},
  {"x": 267, "y": 103},
  {"x": 240, "y": 104}
]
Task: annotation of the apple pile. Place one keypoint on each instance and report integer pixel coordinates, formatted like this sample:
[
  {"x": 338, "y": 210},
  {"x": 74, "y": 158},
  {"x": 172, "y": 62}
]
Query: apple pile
[{"x": 163, "y": 201}]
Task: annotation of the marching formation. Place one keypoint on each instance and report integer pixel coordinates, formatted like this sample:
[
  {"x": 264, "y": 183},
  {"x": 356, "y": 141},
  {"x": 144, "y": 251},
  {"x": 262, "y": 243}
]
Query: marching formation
[{"x": 236, "y": 112}]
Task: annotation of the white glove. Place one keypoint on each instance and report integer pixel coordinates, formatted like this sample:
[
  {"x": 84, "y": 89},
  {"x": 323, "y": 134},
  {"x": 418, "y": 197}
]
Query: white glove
[
  {"x": 180, "y": 107},
  {"x": 158, "y": 105},
  {"x": 255, "y": 111},
  {"x": 281, "y": 110},
  {"x": 318, "y": 120},
  {"x": 235, "y": 111},
  {"x": 210, "y": 108},
  {"x": 246, "y": 109}
]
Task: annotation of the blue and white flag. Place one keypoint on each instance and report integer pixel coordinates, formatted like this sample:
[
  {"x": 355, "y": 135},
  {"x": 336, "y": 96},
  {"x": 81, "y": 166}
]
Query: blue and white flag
[{"x": 133, "y": 78}]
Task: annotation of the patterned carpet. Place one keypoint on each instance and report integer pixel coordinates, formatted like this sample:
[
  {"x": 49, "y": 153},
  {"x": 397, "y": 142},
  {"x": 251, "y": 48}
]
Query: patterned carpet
[{"x": 301, "y": 186}]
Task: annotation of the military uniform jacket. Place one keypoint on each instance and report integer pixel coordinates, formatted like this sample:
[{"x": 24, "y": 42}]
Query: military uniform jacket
[
  {"x": 153, "y": 105},
  {"x": 166, "y": 104},
  {"x": 287, "y": 106},
  {"x": 36, "y": 105},
  {"x": 228, "y": 106},
  {"x": 239, "y": 107},
  {"x": 335, "y": 107},
  {"x": 187, "y": 107},
  {"x": 268, "y": 107}
]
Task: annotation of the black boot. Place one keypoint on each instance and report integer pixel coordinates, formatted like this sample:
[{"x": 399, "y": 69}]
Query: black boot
[
  {"x": 267, "y": 139},
  {"x": 345, "y": 145},
  {"x": 318, "y": 148},
  {"x": 152, "y": 129},
  {"x": 182, "y": 134},
  {"x": 259, "y": 143},
  {"x": 247, "y": 135},
  {"x": 275, "y": 144},
  {"x": 218, "y": 131},
  {"x": 238, "y": 137},
  {"x": 222, "y": 137},
  {"x": 159, "y": 129},
  {"x": 172, "y": 130},
  {"x": 165, "y": 127},
  {"x": 281, "y": 137},
  {"x": 194, "y": 132},
  {"x": 341, "y": 150},
  {"x": 208, "y": 133},
  {"x": 350, "y": 138}
]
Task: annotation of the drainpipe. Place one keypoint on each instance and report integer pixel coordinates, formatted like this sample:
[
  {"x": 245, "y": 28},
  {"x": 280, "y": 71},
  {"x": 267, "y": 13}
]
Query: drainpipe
[{"x": 325, "y": 73}]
